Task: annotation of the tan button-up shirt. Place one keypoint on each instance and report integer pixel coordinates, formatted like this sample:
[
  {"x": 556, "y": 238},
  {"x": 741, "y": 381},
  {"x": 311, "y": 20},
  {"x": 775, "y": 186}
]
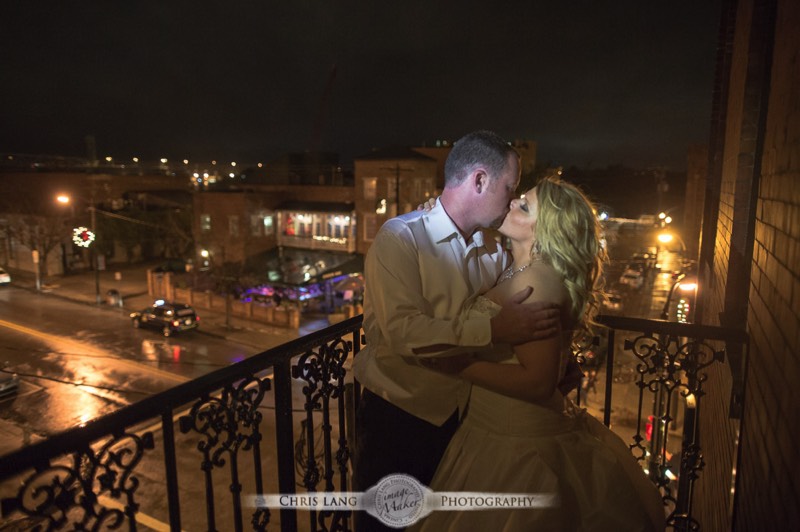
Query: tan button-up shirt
[{"x": 419, "y": 274}]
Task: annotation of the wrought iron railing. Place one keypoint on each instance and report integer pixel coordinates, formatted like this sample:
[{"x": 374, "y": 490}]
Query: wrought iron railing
[
  {"x": 668, "y": 365},
  {"x": 93, "y": 477},
  {"x": 224, "y": 448}
]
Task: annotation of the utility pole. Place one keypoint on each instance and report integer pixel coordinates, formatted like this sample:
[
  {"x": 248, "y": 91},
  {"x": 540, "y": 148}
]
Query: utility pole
[
  {"x": 397, "y": 171},
  {"x": 95, "y": 254}
]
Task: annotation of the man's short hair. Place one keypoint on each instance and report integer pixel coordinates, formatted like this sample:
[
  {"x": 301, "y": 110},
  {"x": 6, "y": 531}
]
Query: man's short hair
[{"x": 479, "y": 148}]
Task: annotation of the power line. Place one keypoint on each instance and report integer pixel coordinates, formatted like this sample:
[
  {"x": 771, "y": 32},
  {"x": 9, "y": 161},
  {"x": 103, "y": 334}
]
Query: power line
[{"x": 126, "y": 218}]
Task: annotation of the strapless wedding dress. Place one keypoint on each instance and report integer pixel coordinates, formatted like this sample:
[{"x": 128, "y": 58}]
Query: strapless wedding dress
[{"x": 506, "y": 445}]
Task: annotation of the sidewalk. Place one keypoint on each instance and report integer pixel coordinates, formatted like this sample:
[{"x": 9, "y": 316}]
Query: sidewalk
[{"x": 130, "y": 281}]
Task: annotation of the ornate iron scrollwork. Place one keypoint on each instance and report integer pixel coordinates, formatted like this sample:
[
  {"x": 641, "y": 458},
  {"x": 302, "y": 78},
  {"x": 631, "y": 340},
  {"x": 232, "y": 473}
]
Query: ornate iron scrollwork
[
  {"x": 324, "y": 373},
  {"x": 68, "y": 496},
  {"x": 669, "y": 367},
  {"x": 227, "y": 424}
]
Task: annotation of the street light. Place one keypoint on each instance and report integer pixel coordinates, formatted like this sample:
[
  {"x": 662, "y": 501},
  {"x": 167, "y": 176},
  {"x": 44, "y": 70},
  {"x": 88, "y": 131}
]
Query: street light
[{"x": 666, "y": 237}]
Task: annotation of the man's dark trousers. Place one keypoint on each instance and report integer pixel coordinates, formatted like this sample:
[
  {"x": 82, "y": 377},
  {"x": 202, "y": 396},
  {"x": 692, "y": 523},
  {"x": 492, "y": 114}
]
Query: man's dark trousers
[{"x": 391, "y": 441}]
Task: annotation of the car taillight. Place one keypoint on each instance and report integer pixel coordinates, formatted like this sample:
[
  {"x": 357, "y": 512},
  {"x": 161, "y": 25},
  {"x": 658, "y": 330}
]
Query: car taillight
[{"x": 197, "y": 318}]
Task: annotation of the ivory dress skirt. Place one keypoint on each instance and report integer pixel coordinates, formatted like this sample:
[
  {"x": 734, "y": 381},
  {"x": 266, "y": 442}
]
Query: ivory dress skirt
[{"x": 512, "y": 446}]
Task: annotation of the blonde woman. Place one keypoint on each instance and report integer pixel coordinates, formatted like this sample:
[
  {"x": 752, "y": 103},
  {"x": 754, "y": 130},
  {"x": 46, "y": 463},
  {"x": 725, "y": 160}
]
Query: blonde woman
[{"x": 520, "y": 434}]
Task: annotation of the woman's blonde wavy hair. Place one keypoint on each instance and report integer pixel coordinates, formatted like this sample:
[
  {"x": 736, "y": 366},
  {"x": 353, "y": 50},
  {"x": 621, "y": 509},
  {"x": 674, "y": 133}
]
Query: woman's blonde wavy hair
[{"x": 569, "y": 238}]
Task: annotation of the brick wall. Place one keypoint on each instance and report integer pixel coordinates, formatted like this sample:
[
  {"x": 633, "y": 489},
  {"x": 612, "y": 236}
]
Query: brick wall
[
  {"x": 769, "y": 486},
  {"x": 718, "y": 431},
  {"x": 759, "y": 200}
]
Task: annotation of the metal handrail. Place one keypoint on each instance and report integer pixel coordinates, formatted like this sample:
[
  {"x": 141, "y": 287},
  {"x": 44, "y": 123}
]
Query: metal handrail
[
  {"x": 669, "y": 353},
  {"x": 74, "y": 439}
]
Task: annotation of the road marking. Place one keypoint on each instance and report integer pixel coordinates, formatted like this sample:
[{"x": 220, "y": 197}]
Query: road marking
[{"x": 57, "y": 340}]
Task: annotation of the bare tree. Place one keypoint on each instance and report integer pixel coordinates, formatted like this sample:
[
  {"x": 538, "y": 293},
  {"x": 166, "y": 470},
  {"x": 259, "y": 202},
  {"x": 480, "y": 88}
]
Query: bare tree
[{"x": 36, "y": 230}]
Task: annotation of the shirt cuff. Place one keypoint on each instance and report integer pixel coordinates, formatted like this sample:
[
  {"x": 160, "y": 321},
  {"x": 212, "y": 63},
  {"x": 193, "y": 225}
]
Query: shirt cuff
[{"x": 476, "y": 331}]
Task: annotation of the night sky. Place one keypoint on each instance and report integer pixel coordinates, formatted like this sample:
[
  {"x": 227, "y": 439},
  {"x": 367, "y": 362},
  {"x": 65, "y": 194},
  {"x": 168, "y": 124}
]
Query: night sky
[{"x": 593, "y": 82}]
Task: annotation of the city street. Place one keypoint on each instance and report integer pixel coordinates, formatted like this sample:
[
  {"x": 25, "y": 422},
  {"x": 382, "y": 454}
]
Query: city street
[
  {"x": 77, "y": 361},
  {"x": 645, "y": 302},
  {"x": 69, "y": 351}
]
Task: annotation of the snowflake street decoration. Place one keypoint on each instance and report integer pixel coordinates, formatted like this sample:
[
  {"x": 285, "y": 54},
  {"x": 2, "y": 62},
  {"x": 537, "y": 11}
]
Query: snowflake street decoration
[{"x": 82, "y": 237}]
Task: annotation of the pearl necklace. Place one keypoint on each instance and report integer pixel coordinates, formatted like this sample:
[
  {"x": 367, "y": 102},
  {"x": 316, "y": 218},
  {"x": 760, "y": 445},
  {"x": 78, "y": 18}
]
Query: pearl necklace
[{"x": 509, "y": 272}]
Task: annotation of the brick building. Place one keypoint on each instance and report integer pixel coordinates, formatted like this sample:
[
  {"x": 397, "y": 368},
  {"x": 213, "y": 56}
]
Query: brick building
[
  {"x": 237, "y": 223},
  {"x": 749, "y": 271},
  {"x": 388, "y": 182}
]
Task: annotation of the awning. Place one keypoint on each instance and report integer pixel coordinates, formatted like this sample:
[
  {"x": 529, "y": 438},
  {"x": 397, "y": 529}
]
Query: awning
[
  {"x": 354, "y": 265},
  {"x": 298, "y": 268},
  {"x": 317, "y": 206},
  {"x": 352, "y": 283}
]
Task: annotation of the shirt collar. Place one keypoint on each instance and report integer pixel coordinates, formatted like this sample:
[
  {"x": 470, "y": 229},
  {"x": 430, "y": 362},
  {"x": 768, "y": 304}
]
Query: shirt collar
[{"x": 442, "y": 228}]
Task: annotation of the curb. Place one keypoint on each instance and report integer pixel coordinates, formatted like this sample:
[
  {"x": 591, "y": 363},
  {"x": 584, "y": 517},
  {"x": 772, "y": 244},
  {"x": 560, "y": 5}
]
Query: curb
[{"x": 214, "y": 331}]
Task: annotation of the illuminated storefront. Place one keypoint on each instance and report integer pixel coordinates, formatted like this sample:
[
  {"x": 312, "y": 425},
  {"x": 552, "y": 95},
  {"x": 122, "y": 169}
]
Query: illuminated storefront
[{"x": 323, "y": 226}]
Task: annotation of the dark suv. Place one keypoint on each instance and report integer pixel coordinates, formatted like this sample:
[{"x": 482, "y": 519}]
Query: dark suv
[{"x": 169, "y": 318}]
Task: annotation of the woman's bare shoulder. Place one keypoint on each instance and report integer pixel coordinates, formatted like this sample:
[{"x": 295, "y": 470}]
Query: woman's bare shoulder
[{"x": 546, "y": 282}]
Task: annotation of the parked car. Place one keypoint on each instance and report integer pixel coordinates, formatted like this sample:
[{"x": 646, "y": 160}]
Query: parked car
[
  {"x": 646, "y": 258},
  {"x": 9, "y": 382},
  {"x": 613, "y": 301},
  {"x": 632, "y": 278},
  {"x": 167, "y": 317},
  {"x": 5, "y": 278},
  {"x": 639, "y": 266}
]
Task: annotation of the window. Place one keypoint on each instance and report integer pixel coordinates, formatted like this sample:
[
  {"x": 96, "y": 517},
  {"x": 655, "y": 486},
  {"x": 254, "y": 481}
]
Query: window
[
  {"x": 256, "y": 224},
  {"x": 429, "y": 189},
  {"x": 304, "y": 225},
  {"x": 289, "y": 225},
  {"x": 370, "y": 187},
  {"x": 370, "y": 227},
  {"x": 261, "y": 224},
  {"x": 205, "y": 222},
  {"x": 233, "y": 225}
]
